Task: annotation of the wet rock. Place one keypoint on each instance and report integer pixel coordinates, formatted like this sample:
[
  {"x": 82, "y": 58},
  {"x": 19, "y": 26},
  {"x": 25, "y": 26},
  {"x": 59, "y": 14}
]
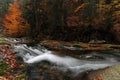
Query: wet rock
[
  {"x": 33, "y": 73},
  {"x": 110, "y": 73}
]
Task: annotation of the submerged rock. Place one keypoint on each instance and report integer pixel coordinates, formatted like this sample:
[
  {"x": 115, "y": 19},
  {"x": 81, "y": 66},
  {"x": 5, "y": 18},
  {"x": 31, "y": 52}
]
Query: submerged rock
[{"x": 33, "y": 73}]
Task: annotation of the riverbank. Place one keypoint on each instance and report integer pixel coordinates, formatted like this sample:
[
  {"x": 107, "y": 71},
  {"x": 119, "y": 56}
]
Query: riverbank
[
  {"x": 59, "y": 45},
  {"x": 47, "y": 72},
  {"x": 10, "y": 67},
  {"x": 109, "y": 73}
]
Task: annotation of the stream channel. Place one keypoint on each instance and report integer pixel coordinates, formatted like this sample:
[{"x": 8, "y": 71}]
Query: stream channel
[{"x": 35, "y": 55}]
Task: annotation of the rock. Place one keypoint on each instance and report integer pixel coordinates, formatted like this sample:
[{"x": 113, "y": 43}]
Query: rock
[
  {"x": 33, "y": 73},
  {"x": 2, "y": 78},
  {"x": 110, "y": 73}
]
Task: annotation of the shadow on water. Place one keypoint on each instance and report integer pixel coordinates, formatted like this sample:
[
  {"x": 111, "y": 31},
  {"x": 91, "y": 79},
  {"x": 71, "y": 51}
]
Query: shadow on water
[{"x": 32, "y": 72}]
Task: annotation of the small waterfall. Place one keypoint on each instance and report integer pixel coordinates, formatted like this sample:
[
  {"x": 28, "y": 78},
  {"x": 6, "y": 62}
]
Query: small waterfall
[{"x": 38, "y": 53}]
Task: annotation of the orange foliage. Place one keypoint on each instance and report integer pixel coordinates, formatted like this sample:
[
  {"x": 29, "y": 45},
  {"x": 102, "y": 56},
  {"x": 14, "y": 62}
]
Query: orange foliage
[
  {"x": 9, "y": 58},
  {"x": 80, "y": 7},
  {"x": 98, "y": 78},
  {"x": 73, "y": 21},
  {"x": 14, "y": 22},
  {"x": 75, "y": 1}
]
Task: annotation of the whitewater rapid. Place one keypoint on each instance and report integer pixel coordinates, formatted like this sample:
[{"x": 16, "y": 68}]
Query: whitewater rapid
[{"x": 38, "y": 54}]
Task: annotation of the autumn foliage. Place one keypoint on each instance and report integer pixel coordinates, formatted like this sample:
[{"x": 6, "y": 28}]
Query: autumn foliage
[
  {"x": 14, "y": 23},
  {"x": 10, "y": 64}
]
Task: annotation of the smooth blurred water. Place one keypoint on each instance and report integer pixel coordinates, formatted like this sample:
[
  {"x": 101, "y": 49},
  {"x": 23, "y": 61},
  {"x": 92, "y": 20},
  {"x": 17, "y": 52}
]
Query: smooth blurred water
[{"x": 92, "y": 60}]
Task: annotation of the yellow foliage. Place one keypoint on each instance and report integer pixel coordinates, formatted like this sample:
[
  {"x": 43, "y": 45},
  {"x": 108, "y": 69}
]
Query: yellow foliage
[
  {"x": 104, "y": 8},
  {"x": 116, "y": 3},
  {"x": 116, "y": 13},
  {"x": 13, "y": 22},
  {"x": 80, "y": 7}
]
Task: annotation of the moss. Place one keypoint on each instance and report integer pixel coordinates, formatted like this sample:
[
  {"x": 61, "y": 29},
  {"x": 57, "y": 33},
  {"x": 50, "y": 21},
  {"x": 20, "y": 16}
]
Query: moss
[
  {"x": 23, "y": 75},
  {"x": 3, "y": 67},
  {"x": 107, "y": 45},
  {"x": 2, "y": 40}
]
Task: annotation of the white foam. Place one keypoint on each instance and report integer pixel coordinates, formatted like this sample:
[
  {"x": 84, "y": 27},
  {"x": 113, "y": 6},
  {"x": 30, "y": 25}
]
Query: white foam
[{"x": 75, "y": 65}]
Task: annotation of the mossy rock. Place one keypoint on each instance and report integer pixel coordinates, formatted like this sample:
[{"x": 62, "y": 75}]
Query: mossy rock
[{"x": 2, "y": 40}]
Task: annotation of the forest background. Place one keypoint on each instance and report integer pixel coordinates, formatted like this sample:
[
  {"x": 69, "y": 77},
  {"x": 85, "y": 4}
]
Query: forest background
[{"x": 66, "y": 20}]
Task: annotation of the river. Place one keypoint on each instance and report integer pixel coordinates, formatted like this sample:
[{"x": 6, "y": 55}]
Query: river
[{"x": 93, "y": 60}]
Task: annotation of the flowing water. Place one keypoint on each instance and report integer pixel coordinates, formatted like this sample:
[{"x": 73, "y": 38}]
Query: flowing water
[{"x": 92, "y": 60}]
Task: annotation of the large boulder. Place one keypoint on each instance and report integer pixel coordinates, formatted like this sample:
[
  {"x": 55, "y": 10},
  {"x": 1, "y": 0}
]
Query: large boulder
[{"x": 110, "y": 73}]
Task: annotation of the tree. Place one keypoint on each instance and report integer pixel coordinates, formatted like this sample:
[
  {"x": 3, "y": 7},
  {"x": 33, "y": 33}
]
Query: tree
[
  {"x": 58, "y": 19},
  {"x": 14, "y": 23},
  {"x": 46, "y": 17},
  {"x": 116, "y": 18},
  {"x": 116, "y": 12},
  {"x": 36, "y": 17},
  {"x": 4, "y": 6}
]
